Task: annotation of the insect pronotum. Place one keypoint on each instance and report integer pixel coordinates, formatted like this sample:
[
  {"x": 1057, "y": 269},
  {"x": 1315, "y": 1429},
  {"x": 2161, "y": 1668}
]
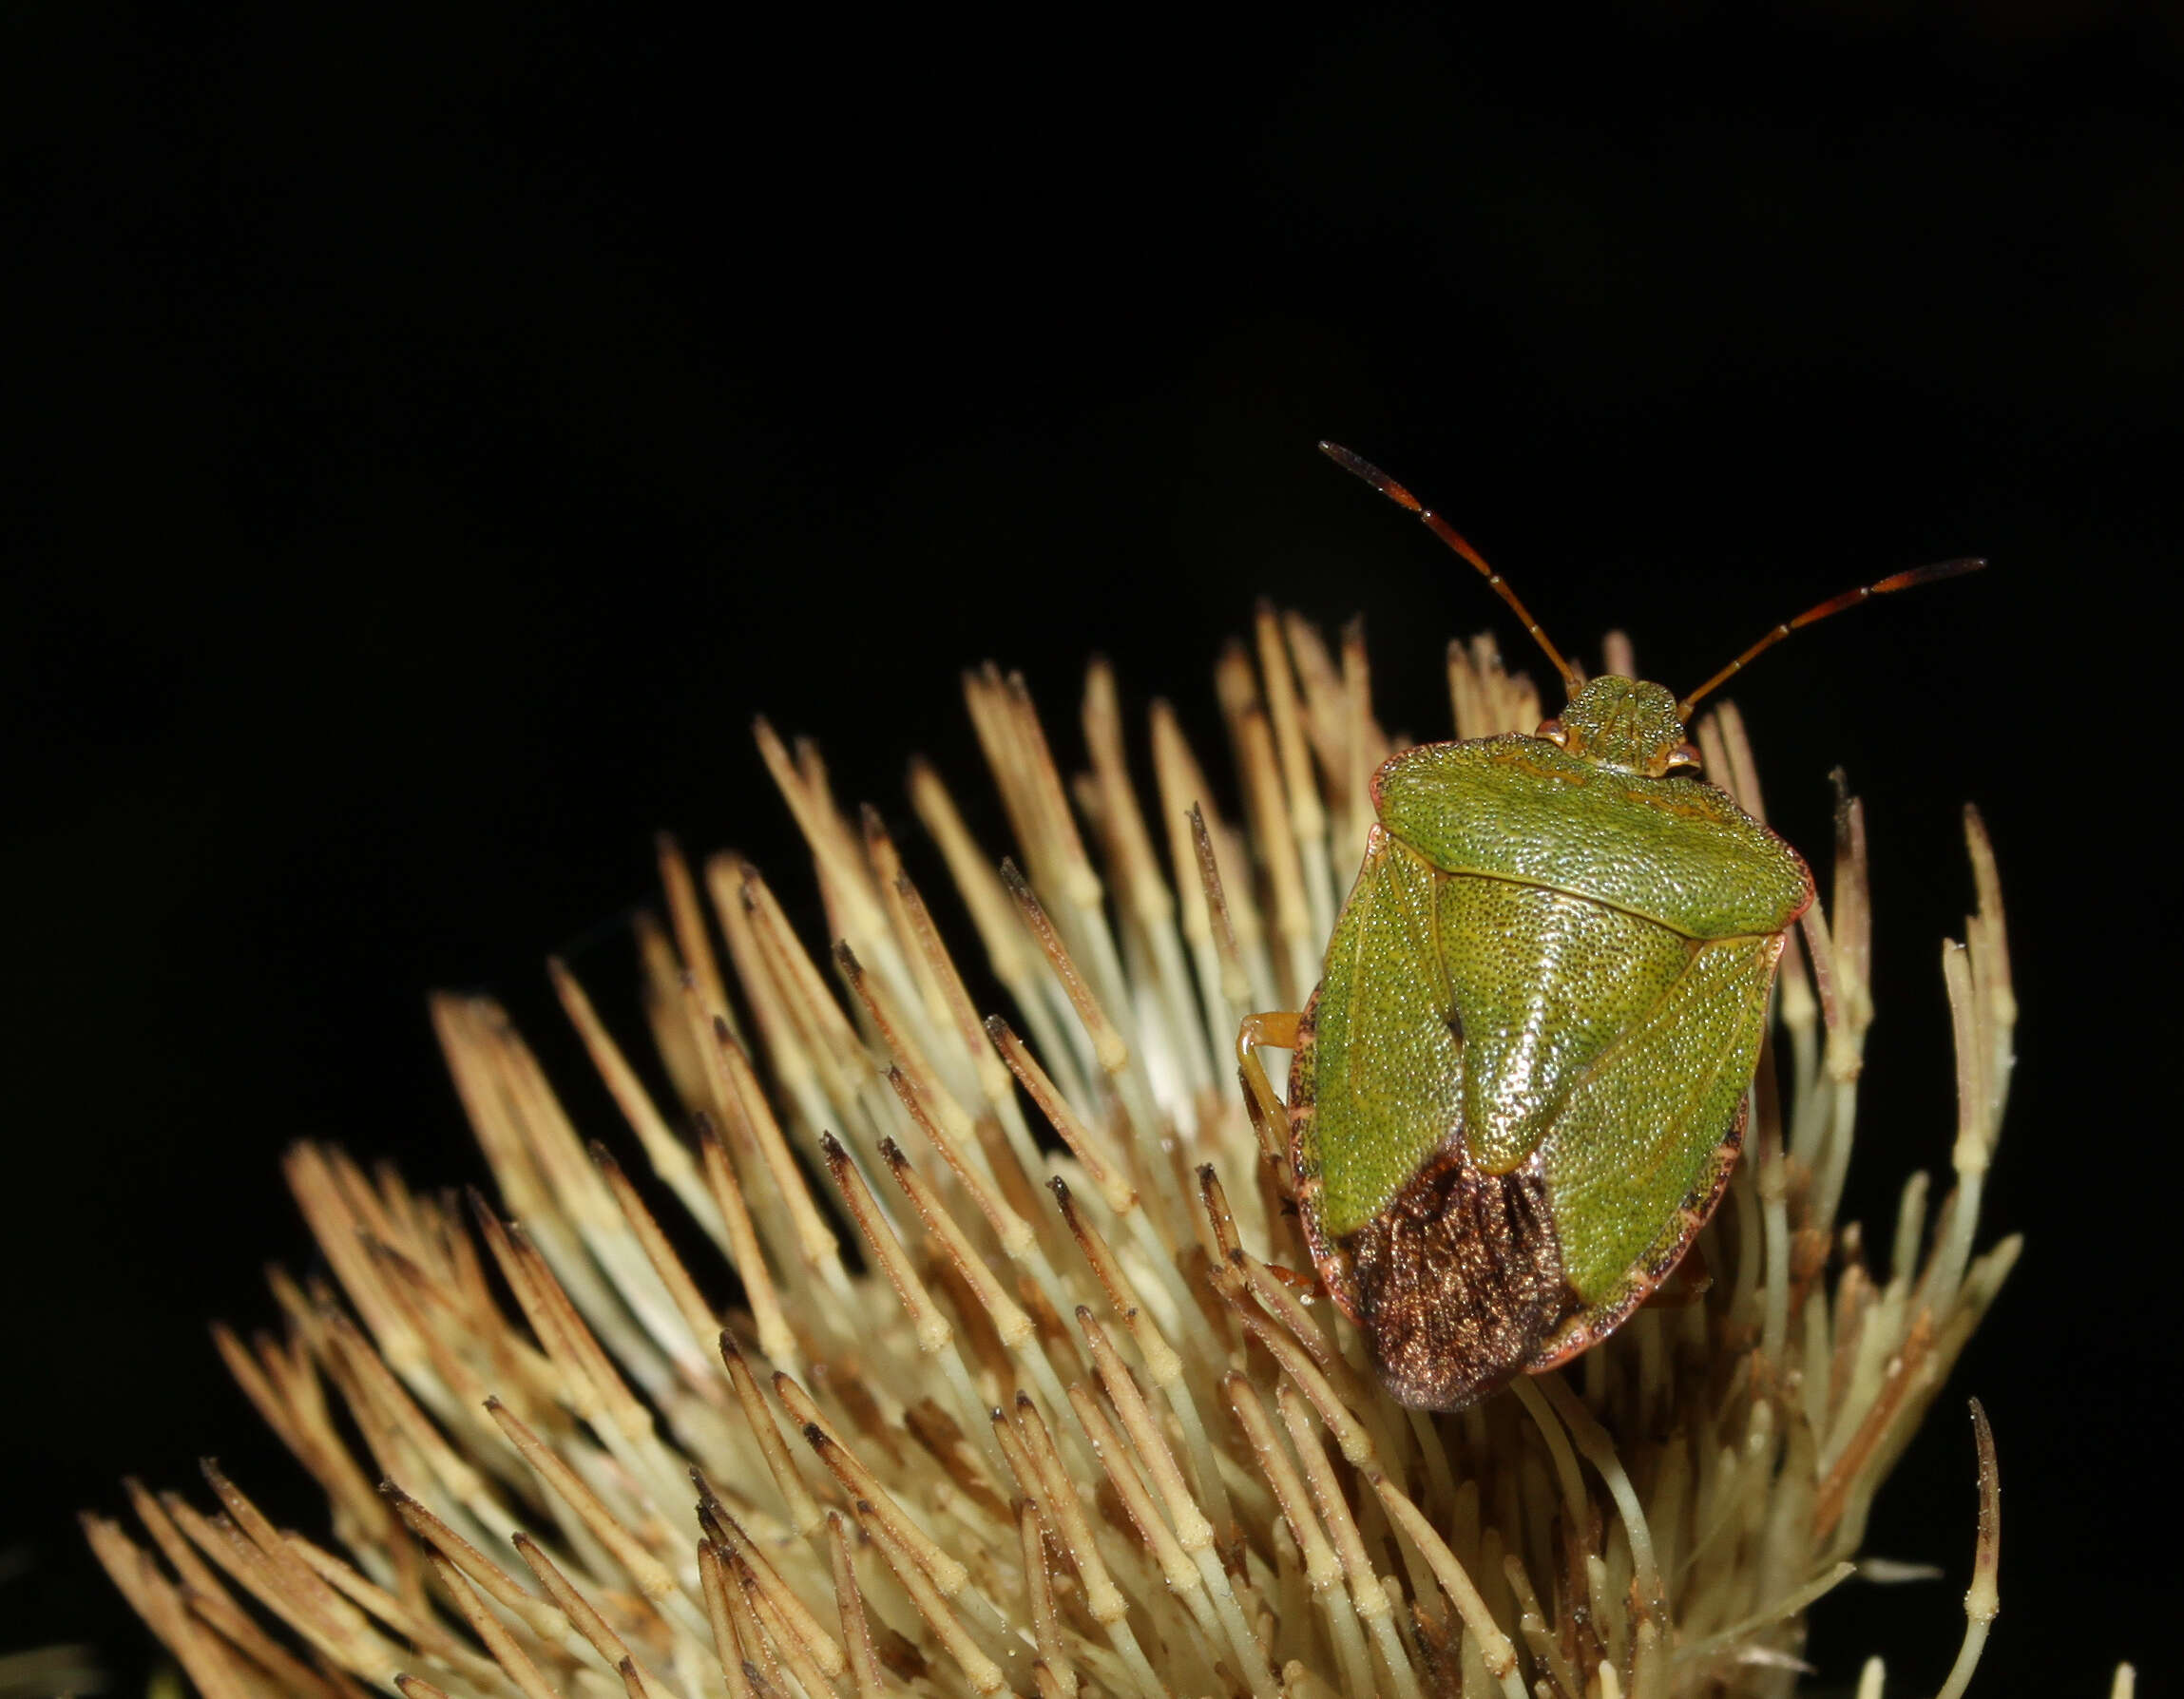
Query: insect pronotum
[{"x": 1521, "y": 1086}]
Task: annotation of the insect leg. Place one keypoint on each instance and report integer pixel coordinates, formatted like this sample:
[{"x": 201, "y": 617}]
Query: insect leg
[
  {"x": 1687, "y": 1285},
  {"x": 1276, "y": 1030}
]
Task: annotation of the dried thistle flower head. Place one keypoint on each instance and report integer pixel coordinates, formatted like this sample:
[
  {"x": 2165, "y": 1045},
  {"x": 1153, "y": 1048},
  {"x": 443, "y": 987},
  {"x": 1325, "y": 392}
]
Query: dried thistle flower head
[{"x": 1018, "y": 1390}]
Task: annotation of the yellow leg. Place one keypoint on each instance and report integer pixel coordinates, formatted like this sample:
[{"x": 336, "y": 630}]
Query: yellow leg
[{"x": 1269, "y": 1121}]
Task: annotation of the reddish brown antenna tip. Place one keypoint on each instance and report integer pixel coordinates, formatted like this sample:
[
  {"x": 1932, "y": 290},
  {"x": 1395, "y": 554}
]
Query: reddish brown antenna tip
[
  {"x": 1928, "y": 575},
  {"x": 1448, "y": 534},
  {"x": 1357, "y": 466},
  {"x": 1828, "y": 609}
]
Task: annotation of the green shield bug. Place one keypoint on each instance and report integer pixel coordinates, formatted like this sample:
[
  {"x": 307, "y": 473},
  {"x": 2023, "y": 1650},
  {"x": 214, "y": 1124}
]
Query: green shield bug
[{"x": 1520, "y": 1089}]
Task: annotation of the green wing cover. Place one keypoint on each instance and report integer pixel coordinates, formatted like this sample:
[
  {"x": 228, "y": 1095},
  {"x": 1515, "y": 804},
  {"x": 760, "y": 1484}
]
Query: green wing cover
[
  {"x": 1640, "y": 1132},
  {"x": 1384, "y": 1073}
]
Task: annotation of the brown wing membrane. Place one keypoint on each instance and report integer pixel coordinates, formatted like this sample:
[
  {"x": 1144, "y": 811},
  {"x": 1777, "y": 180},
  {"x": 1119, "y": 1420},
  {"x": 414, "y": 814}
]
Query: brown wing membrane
[{"x": 1458, "y": 1280}]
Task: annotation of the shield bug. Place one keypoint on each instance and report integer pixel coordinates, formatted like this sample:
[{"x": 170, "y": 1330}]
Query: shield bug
[{"x": 1521, "y": 1086}]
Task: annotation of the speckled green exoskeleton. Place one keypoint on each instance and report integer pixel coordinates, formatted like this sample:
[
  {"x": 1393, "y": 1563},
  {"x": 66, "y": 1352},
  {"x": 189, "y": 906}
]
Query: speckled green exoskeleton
[{"x": 1520, "y": 1087}]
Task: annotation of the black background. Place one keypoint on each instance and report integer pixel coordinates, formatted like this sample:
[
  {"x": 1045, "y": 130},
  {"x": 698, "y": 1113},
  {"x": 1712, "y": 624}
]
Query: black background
[{"x": 434, "y": 438}]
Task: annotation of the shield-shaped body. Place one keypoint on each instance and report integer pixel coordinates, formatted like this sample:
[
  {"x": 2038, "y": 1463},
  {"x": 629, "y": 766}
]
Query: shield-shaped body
[{"x": 1520, "y": 1089}]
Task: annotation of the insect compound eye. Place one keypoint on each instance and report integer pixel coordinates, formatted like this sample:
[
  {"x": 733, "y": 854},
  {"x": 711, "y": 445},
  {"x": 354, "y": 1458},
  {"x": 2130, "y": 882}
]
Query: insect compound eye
[
  {"x": 1684, "y": 754},
  {"x": 1552, "y": 731}
]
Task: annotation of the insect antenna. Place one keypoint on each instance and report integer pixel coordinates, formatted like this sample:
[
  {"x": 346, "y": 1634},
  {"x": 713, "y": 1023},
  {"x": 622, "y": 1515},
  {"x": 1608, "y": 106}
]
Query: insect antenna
[
  {"x": 1454, "y": 539},
  {"x": 1834, "y": 604}
]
